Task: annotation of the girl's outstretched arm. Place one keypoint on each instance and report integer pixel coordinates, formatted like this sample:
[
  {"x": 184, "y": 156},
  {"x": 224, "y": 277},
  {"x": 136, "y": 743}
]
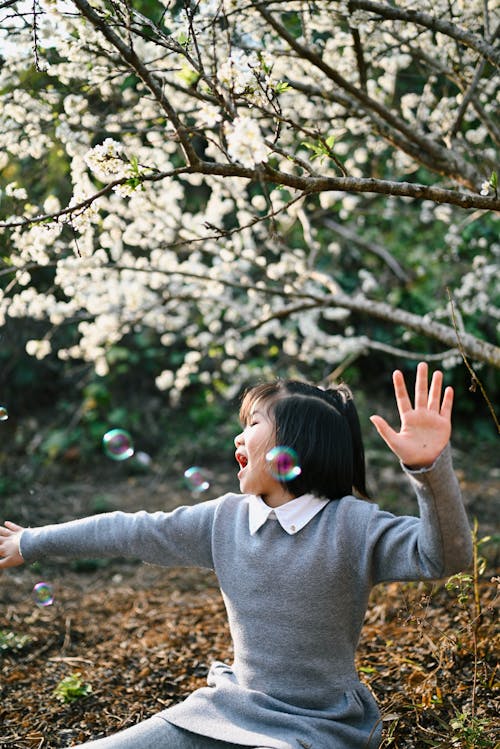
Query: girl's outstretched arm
[
  {"x": 425, "y": 426},
  {"x": 10, "y": 556}
]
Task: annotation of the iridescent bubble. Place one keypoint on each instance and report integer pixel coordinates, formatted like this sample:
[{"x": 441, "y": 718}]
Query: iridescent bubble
[
  {"x": 283, "y": 463},
  {"x": 117, "y": 444},
  {"x": 196, "y": 480},
  {"x": 4, "y": 414},
  {"x": 43, "y": 594}
]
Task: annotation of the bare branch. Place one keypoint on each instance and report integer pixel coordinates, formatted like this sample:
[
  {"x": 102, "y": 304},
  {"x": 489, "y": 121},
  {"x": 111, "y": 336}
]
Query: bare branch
[
  {"x": 474, "y": 347},
  {"x": 360, "y": 58},
  {"x": 468, "y": 89},
  {"x": 372, "y": 247}
]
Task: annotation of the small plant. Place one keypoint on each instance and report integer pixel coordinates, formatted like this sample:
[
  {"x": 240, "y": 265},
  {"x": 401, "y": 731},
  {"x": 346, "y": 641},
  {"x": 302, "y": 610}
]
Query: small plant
[
  {"x": 470, "y": 731},
  {"x": 72, "y": 688},
  {"x": 11, "y": 641}
]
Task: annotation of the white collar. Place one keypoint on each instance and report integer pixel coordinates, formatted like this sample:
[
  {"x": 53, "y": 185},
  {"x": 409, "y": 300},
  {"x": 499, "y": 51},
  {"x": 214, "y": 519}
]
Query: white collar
[{"x": 292, "y": 515}]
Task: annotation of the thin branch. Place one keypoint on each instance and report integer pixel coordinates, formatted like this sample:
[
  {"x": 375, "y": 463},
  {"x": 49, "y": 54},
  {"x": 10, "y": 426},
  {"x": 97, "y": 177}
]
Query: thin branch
[
  {"x": 34, "y": 29},
  {"x": 360, "y": 58},
  {"x": 400, "y": 352},
  {"x": 475, "y": 381},
  {"x": 373, "y": 247},
  {"x": 280, "y": 314},
  {"x": 469, "y": 94},
  {"x": 454, "y": 75}
]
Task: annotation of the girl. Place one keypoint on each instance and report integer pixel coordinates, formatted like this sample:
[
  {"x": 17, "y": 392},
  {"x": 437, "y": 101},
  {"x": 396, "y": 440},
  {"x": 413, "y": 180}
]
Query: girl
[{"x": 295, "y": 560}]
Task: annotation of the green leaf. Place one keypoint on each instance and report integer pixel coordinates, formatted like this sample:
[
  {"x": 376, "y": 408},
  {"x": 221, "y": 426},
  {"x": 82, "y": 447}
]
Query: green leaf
[{"x": 281, "y": 87}]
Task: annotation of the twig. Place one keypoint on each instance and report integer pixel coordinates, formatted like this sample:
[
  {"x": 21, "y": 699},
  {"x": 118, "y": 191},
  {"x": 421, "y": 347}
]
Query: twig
[
  {"x": 35, "y": 34},
  {"x": 475, "y": 381}
]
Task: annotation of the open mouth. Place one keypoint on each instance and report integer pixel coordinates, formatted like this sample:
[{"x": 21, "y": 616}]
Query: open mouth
[{"x": 241, "y": 459}]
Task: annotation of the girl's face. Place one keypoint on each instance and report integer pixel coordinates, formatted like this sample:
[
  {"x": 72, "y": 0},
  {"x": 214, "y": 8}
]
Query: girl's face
[{"x": 252, "y": 445}]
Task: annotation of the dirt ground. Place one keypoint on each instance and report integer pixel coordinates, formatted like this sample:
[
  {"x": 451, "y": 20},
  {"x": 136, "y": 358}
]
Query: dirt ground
[{"x": 142, "y": 638}]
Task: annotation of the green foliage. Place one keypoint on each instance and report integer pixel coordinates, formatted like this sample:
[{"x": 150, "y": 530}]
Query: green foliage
[
  {"x": 136, "y": 179},
  {"x": 460, "y": 585},
  {"x": 322, "y": 148},
  {"x": 72, "y": 688},
  {"x": 470, "y": 731}
]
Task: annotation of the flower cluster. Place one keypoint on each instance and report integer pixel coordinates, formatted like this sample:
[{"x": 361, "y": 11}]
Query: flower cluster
[
  {"x": 106, "y": 160},
  {"x": 245, "y": 142}
]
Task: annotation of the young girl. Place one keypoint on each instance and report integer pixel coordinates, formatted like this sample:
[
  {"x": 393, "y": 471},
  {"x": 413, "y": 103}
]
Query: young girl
[{"x": 295, "y": 560}]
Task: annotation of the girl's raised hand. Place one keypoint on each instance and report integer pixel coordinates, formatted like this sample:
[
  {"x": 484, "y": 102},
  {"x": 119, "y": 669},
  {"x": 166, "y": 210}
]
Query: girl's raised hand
[
  {"x": 10, "y": 556},
  {"x": 426, "y": 426}
]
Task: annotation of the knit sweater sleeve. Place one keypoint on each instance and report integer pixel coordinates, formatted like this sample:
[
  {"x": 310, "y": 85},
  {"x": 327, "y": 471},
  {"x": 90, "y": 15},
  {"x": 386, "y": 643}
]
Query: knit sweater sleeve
[
  {"x": 436, "y": 544},
  {"x": 179, "y": 538}
]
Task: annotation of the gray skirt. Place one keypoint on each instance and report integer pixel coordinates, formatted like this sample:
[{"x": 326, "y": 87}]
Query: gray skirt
[{"x": 157, "y": 733}]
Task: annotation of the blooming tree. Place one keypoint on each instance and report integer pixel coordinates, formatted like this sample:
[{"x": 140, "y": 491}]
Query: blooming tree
[{"x": 255, "y": 182}]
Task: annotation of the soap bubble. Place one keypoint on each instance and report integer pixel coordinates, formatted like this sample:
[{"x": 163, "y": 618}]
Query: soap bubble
[
  {"x": 117, "y": 444},
  {"x": 283, "y": 463},
  {"x": 4, "y": 414},
  {"x": 43, "y": 594},
  {"x": 196, "y": 480},
  {"x": 143, "y": 459}
]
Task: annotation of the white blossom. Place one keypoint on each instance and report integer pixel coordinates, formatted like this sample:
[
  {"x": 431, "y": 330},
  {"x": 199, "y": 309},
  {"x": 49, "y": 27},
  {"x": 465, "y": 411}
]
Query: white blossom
[
  {"x": 208, "y": 115},
  {"x": 245, "y": 141},
  {"x": 13, "y": 190},
  {"x": 106, "y": 160},
  {"x": 165, "y": 380},
  {"x": 189, "y": 257},
  {"x": 39, "y": 349}
]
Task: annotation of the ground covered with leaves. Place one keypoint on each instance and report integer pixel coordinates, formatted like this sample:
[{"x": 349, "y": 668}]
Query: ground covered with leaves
[{"x": 123, "y": 640}]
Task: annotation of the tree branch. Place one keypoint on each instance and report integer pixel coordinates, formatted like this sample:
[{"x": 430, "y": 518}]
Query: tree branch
[
  {"x": 391, "y": 12},
  {"x": 307, "y": 185},
  {"x": 454, "y": 76},
  {"x": 473, "y": 347},
  {"x": 439, "y": 158},
  {"x": 129, "y": 56},
  {"x": 360, "y": 58},
  {"x": 372, "y": 247}
]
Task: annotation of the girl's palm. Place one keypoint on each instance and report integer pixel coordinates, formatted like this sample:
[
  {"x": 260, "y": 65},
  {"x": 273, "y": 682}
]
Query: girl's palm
[{"x": 425, "y": 426}]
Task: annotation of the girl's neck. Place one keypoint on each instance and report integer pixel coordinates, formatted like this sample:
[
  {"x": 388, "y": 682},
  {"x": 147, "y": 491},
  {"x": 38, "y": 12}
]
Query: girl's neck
[{"x": 278, "y": 498}]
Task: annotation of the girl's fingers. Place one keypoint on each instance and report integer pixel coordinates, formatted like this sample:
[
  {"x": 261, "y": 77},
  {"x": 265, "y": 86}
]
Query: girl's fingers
[
  {"x": 13, "y": 526},
  {"x": 421, "y": 386},
  {"x": 447, "y": 404},
  {"x": 402, "y": 398},
  {"x": 386, "y": 432},
  {"x": 434, "y": 401}
]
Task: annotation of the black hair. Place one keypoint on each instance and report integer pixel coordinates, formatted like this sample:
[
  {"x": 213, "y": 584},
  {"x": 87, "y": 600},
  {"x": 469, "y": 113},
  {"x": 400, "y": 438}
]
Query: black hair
[{"x": 322, "y": 427}]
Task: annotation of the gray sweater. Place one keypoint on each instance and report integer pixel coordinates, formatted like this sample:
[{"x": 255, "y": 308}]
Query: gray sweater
[{"x": 295, "y": 603}]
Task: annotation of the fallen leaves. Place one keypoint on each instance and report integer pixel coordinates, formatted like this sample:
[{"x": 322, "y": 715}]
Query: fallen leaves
[{"x": 143, "y": 649}]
